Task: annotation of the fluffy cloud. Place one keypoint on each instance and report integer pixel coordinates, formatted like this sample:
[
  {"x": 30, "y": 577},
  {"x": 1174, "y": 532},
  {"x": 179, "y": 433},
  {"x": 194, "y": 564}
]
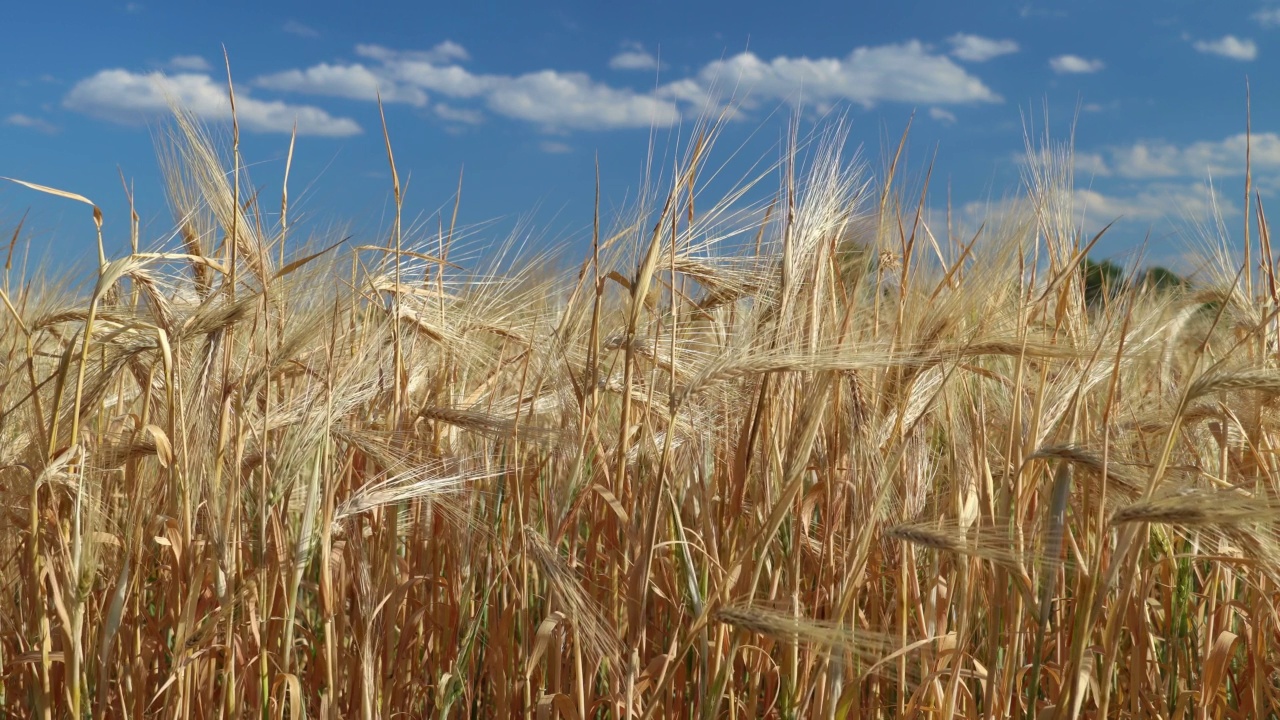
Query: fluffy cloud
[
  {"x": 1187, "y": 202},
  {"x": 975, "y": 48},
  {"x": 1092, "y": 209},
  {"x": 1228, "y": 46},
  {"x": 573, "y": 100},
  {"x": 1151, "y": 181},
  {"x": 1160, "y": 159},
  {"x": 435, "y": 69},
  {"x": 1090, "y": 165},
  {"x": 1154, "y": 179},
  {"x": 126, "y": 97},
  {"x": 549, "y": 98},
  {"x": 354, "y": 81},
  {"x": 634, "y": 59},
  {"x": 33, "y": 123},
  {"x": 1074, "y": 64},
  {"x": 907, "y": 72}
]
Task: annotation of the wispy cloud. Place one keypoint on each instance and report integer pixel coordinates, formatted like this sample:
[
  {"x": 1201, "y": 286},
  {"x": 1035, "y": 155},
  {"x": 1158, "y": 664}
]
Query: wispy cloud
[
  {"x": 133, "y": 8},
  {"x": 945, "y": 117},
  {"x": 1029, "y": 10},
  {"x": 126, "y": 97},
  {"x": 1074, "y": 64},
  {"x": 458, "y": 115},
  {"x": 442, "y": 54},
  {"x": 1267, "y": 17},
  {"x": 32, "y": 123},
  {"x": 293, "y": 27},
  {"x": 192, "y": 63},
  {"x": 552, "y": 147},
  {"x": 1228, "y": 46},
  {"x": 634, "y": 57},
  {"x": 975, "y": 48}
]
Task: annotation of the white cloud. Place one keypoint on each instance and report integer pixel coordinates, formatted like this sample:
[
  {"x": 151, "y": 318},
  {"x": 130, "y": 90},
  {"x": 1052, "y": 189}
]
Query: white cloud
[
  {"x": 133, "y": 8},
  {"x": 125, "y": 97},
  {"x": 1029, "y": 10},
  {"x": 1073, "y": 64},
  {"x": 293, "y": 27},
  {"x": 943, "y": 116},
  {"x": 975, "y": 48},
  {"x": 554, "y": 148},
  {"x": 1191, "y": 201},
  {"x": 445, "y": 52},
  {"x": 634, "y": 59},
  {"x": 355, "y": 81},
  {"x": 1084, "y": 165},
  {"x": 1090, "y": 165},
  {"x": 458, "y": 115},
  {"x": 193, "y": 63},
  {"x": 1092, "y": 209},
  {"x": 1151, "y": 180},
  {"x": 574, "y": 100},
  {"x": 435, "y": 70},
  {"x": 33, "y": 123},
  {"x": 1268, "y": 17},
  {"x": 549, "y": 98},
  {"x": 1228, "y": 46},
  {"x": 1160, "y": 159},
  {"x": 907, "y": 72}
]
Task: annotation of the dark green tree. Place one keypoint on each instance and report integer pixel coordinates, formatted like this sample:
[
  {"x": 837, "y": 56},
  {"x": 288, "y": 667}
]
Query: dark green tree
[
  {"x": 1103, "y": 281},
  {"x": 1162, "y": 279}
]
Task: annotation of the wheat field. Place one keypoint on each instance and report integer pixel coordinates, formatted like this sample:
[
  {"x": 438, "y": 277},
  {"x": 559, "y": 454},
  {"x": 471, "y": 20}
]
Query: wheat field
[{"x": 827, "y": 461}]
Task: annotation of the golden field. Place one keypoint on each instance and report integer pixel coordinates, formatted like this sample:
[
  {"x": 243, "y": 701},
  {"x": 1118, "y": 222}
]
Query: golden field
[{"x": 818, "y": 458}]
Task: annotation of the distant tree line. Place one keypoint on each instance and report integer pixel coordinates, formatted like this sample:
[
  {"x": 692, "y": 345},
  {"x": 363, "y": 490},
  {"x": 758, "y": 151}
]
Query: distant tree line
[{"x": 1104, "y": 281}]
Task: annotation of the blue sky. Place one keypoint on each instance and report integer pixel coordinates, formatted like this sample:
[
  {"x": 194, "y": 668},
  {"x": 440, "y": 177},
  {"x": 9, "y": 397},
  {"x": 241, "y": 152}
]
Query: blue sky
[{"x": 526, "y": 95}]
